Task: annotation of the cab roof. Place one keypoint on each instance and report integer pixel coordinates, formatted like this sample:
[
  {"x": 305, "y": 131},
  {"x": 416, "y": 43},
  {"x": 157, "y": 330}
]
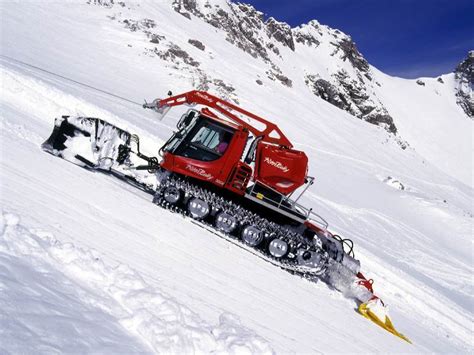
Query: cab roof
[{"x": 226, "y": 122}]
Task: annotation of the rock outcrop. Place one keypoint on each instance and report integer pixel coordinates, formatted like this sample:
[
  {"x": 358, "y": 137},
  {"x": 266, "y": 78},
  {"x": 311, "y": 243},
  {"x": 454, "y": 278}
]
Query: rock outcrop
[
  {"x": 464, "y": 75},
  {"x": 329, "y": 62}
]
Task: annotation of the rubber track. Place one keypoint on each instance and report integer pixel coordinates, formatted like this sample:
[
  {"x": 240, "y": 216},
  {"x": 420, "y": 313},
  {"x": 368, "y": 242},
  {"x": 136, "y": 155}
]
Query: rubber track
[{"x": 190, "y": 190}]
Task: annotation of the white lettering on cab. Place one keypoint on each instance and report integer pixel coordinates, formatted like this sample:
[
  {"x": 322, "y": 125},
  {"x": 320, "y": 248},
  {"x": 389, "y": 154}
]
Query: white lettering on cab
[{"x": 276, "y": 164}]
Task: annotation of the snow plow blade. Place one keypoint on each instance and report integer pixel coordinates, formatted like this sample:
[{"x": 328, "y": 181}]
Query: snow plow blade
[
  {"x": 88, "y": 142},
  {"x": 375, "y": 311}
]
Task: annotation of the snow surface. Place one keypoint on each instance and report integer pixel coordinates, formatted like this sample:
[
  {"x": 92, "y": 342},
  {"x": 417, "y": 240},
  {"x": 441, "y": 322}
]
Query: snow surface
[
  {"x": 64, "y": 315},
  {"x": 439, "y": 131},
  {"x": 89, "y": 264}
]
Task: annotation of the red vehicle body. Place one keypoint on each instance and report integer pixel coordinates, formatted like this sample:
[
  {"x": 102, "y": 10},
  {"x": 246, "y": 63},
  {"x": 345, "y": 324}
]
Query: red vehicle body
[{"x": 276, "y": 164}]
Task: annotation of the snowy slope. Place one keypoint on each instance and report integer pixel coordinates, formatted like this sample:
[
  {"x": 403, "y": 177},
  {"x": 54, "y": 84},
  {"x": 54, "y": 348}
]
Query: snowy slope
[
  {"x": 161, "y": 283},
  {"x": 428, "y": 117}
]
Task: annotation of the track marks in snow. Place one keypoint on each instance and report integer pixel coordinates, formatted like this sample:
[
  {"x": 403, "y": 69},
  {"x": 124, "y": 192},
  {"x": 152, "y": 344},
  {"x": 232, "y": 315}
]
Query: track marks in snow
[
  {"x": 111, "y": 304},
  {"x": 32, "y": 96},
  {"x": 36, "y": 98}
]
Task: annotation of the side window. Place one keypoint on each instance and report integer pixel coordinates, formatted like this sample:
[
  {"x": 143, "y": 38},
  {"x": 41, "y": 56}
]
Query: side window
[
  {"x": 200, "y": 135},
  {"x": 206, "y": 137}
]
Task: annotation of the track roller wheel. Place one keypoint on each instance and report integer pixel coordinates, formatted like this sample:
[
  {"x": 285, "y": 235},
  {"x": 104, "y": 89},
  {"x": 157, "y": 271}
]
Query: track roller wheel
[
  {"x": 251, "y": 235},
  {"x": 278, "y": 248},
  {"x": 226, "y": 222},
  {"x": 172, "y": 195},
  {"x": 199, "y": 209}
]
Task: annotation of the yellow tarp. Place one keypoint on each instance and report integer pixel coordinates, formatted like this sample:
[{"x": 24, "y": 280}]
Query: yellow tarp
[{"x": 387, "y": 324}]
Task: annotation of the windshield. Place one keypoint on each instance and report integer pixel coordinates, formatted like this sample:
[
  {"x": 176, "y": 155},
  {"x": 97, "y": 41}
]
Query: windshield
[{"x": 207, "y": 141}]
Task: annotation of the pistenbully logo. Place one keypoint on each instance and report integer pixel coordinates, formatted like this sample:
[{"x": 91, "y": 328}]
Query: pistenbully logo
[
  {"x": 276, "y": 164},
  {"x": 199, "y": 171},
  {"x": 205, "y": 97}
]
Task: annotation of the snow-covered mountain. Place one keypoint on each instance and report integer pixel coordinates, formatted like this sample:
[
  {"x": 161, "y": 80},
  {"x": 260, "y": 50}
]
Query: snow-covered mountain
[
  {"x": 315, "y": 58},
  {"x": 91, "y": 265}
]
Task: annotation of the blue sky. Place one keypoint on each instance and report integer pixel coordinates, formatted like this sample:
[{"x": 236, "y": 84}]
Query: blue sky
[{"x": 407, "y": 38}]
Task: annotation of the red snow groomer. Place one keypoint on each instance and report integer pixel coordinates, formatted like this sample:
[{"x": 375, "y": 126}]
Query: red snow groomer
[{"x": 233, "y": 172}]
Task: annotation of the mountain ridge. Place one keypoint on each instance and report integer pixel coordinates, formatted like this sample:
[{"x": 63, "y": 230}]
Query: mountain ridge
[{"x": 310, "y": 58}]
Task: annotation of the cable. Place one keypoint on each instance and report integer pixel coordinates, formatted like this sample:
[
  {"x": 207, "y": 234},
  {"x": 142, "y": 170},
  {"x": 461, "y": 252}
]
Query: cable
[
  {"x": 69, "y": 79},
  {"x": 346, "y": 241}
]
